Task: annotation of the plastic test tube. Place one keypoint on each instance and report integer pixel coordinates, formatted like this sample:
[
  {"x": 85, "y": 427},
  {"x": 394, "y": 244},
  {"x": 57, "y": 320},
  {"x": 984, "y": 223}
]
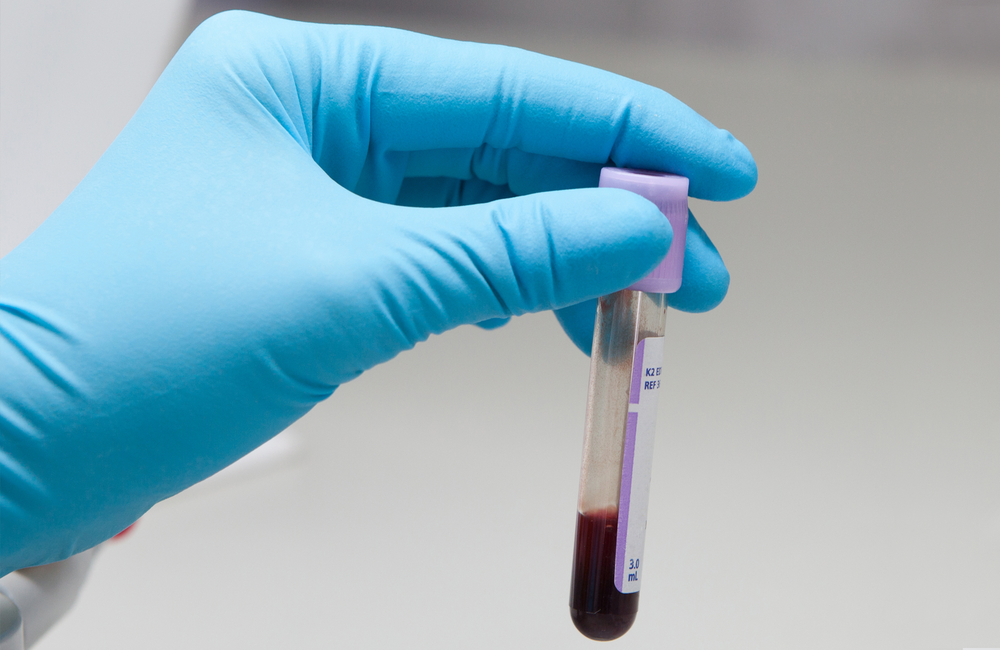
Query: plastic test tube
[{"x": 625, "y": 375}]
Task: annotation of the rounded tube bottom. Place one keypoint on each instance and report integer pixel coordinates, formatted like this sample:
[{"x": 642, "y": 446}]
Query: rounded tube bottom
[{"x": 601, "y": 627}]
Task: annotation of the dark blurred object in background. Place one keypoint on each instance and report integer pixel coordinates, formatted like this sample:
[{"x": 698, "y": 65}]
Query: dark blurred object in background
[{"x": 967, "y": 29}]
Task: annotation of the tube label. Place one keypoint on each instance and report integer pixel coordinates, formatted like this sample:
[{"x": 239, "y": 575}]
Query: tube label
[{"x": 637, "y": 463}]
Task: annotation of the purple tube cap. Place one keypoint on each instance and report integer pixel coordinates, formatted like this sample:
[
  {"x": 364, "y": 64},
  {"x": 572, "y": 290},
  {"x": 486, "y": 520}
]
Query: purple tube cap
[{"x": 670, "y": 194}]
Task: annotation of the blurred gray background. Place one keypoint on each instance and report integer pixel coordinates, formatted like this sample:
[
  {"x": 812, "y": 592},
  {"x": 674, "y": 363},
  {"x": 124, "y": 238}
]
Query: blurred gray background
[{"x": 827, "y": 470}]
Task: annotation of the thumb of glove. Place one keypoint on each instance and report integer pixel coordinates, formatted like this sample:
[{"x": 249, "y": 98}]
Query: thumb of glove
[{"x": 538, "y": 252}]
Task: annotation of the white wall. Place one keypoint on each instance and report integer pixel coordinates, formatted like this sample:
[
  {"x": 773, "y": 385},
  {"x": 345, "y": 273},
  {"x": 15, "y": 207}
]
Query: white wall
[{"x": 825, "y": 472}]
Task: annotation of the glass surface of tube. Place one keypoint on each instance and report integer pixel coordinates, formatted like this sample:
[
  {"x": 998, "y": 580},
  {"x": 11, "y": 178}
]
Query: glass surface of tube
[{"x": 627, "y": 349}]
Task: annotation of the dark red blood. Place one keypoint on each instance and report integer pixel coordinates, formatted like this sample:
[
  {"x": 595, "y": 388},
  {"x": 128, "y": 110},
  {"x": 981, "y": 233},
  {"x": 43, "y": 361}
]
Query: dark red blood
[{"x": 599, "y": 610}]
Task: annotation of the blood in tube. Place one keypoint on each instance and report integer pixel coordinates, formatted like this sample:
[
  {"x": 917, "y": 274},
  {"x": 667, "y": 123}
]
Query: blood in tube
[{"x": 598, "y": 609}]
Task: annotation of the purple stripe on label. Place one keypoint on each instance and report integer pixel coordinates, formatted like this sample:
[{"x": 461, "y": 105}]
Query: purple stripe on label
[
  {"x": 625, "y": 495},
  {"x": 633, "y": 397}
]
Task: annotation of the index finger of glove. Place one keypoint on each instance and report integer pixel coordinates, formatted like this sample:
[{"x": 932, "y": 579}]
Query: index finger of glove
[{"x": 428, "y": 93}]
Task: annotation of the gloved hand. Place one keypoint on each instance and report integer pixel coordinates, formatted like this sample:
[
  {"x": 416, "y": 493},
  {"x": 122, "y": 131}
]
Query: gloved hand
[{"x": 249, "y": 242}]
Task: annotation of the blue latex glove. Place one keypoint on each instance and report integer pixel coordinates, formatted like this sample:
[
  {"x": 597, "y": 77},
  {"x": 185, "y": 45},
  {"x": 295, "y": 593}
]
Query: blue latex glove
[{"x": 246, "y": 245}]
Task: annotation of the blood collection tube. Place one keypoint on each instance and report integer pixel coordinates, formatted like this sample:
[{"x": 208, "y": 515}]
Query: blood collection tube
[{"x": 625, "y": 375}]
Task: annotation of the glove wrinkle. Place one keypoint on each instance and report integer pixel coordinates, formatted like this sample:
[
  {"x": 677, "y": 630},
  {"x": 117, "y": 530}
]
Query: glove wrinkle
[{"x": 22, "y": 328}]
